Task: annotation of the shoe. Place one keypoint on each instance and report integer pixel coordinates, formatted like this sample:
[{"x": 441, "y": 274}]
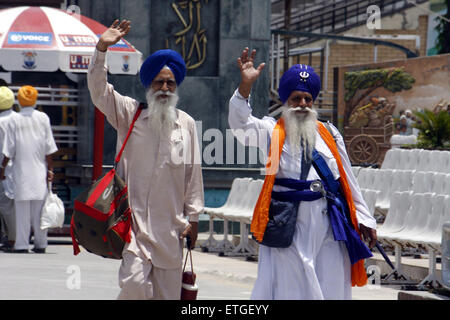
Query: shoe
[
  {"x": 19, "y": 251},
  {"x": 37, "y": 250},
  {"x": 5, "y": 248},
  {"x": 11, "y": 250}
]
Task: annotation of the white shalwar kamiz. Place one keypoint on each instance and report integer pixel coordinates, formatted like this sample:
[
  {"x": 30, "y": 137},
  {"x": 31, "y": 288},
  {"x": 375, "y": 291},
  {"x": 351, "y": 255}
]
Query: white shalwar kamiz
[
  {"x": 315, "y": 266},
  {"x": 7, "y": 212},
  {"x": 165, "y": 191},
  {"x": 28, "y": 140}
]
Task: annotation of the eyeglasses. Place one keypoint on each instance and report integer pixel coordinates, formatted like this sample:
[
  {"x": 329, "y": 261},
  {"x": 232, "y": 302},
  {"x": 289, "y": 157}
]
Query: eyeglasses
[
  {"x": 299, "y": 99},
  {"x": 159, "y": 83}
]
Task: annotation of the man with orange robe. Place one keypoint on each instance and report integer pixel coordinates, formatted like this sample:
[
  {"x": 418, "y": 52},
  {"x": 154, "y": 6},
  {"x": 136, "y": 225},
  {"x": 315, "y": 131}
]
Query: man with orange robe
[{"x": 314, "y": 265}]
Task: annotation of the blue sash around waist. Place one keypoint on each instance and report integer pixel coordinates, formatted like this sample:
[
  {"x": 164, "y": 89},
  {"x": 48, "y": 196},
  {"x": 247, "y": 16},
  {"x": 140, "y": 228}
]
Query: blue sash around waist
[{"x": 302, "y": 190}]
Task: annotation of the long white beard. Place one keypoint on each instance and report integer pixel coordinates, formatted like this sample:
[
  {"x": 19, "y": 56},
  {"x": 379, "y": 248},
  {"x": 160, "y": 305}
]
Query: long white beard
[
  {"x": 162, "y": 112},
  {"x": 301, "y": 129}
]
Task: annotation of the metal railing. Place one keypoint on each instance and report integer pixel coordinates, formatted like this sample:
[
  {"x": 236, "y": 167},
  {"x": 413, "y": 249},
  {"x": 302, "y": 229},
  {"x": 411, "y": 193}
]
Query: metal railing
[
  {"x": 50, "y": 96},
  {"x": 336, "y": 16}
]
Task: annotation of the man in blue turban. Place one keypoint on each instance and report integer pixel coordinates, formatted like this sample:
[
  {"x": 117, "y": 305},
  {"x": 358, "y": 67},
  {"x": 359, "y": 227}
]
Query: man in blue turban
[
  {"x": 160, "y": 165},
  {"x": 154, "y": 63},
  {"x": 314, "y": 265}
]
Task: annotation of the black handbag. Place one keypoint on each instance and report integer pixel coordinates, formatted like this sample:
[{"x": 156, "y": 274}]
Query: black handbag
[{"x": 281, "y": 226}]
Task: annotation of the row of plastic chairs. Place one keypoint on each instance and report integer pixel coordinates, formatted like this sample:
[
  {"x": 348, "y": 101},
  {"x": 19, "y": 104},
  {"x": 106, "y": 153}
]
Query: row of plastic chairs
[
  {"x": 417, "y": 159},
  {"x": 388, "y": 181},
  {"x": 413, "y": 220},
  {"x": 238, "y": 207}
]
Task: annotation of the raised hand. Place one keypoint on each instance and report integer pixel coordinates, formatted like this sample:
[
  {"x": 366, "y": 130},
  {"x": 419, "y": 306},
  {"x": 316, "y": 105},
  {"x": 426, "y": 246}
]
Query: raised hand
[
  {"x": 249, "y": 74},
  {"x": 113, "y": 34}
]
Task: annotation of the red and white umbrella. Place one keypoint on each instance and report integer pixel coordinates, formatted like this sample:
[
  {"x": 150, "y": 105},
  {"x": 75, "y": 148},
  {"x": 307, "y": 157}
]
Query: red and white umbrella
[{"x": 48, "y": 39}]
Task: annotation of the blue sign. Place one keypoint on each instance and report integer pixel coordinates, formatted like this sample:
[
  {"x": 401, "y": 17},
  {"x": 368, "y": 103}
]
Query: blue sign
[{"x": 30, "y": 38}]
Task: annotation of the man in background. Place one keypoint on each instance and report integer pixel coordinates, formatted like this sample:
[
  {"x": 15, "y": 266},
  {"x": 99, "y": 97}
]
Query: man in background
[
  {"x": 29, "y": 143},
  {"x": 7, "y": 214}
]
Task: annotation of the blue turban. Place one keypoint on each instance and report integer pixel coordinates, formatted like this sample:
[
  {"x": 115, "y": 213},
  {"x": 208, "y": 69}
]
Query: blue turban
[
  {"x": 299, "y": 77},
  {"x": 154, "y": 63}
]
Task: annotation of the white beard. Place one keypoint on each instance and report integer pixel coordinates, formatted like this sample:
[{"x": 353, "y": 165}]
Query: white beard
[
  {"x": 162, "y": 112},
  {"x": 300, "y": 127}
]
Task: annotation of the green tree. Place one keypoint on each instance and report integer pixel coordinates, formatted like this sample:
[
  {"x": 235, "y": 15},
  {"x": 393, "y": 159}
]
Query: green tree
[
  {"x": 434, "y": 129},
  {"x": 360, "y": 84},
  {"x": 443, "y": 28}
]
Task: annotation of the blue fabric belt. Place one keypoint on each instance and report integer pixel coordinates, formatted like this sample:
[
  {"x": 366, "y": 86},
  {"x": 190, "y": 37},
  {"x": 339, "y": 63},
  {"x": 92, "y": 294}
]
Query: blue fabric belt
[{"x": 301, "y": 193}]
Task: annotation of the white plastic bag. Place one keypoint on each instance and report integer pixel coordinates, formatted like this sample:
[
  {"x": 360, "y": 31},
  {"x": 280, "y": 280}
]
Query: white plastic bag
[{"x": 52, "y": 215}]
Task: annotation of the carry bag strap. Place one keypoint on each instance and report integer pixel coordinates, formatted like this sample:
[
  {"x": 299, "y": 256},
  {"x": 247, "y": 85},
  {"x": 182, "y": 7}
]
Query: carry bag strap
[
  {"x": 141, "y": 107},
  {"x": 189, "y": 253}
]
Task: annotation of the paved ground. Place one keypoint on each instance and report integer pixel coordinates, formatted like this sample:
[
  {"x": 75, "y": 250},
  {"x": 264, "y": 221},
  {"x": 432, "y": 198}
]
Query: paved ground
[{"x": 59, "y": 275}]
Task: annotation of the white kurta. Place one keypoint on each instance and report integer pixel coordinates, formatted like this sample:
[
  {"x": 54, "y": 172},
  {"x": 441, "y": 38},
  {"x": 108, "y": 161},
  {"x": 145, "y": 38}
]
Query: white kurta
[
  {"x": 314, "y": 266},
  {"x": 7, "y": 186},
  {"x": 165, "y": 191},
  {"x": 28, "y": 140},
  {"x": 6, "y": 118}
]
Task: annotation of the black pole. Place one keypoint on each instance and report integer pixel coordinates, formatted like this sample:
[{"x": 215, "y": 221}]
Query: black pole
[{"x": 287, "y": 25}]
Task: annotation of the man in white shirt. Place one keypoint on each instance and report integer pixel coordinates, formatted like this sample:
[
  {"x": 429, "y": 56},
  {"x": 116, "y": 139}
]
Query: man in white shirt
[
  {"x": 161, "y": 166},
  {"x": 7, "y": 215},
  {"x": 314, "y": 265},
  {"x": 29, "y": 144}
]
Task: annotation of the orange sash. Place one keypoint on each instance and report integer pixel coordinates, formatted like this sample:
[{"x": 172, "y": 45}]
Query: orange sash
[{"x": 261, "y": 212}]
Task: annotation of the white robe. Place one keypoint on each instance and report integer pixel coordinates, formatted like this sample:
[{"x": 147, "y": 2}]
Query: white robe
[
  {"x": 314, "y": 266},
  {"x": 28, "y": 140},
  {"x": 7, "y": 186}
]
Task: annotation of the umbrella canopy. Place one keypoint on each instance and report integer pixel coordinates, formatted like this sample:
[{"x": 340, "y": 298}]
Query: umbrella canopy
[{"x": 48, "y": 39}]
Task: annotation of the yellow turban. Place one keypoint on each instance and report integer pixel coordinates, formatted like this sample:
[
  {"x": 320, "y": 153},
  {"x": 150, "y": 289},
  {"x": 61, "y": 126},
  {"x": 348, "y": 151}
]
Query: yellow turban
[
  {"x": 6, "y": 98},
  {"x": 27, "y": 96}
]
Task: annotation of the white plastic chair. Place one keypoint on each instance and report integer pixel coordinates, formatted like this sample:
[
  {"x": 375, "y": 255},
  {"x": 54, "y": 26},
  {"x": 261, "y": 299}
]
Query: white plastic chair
[
  {"x": 424, "y": 160},
  {"x": 391, "y": 158},
  {"x": 444, "y": 162},
  {"x": 245, "y": 213},
  {"x": 434, "y": 163},
  {"x": 396, "y": 219},
  {"x": 234, "y": 197},
  {"x": 440, "y": 183},
  {"x": 422, "y": 181},
  {"x": 415, "y": 226},
  {"x": 400, "y": 180},
  {"x": 382, "y": 182},
  {"x": 406, "y": 160},
  {"x": 432, "y": 236},
  {"x": 396, "y": 216},
  {"x": 433, "y": 230},
  {"x": 237, "y": 198},
  {"x": 231, "y": 198},
  {"x": 244, "y": 216},
  {"x": 411, "y": 161},
  {"x": 366, "y": 177},
  {"x": 370, "y": 197},
  {"x": 355, "y": 170},
  {"x": 404, "y": 181},
  {"x": 398, "y": 140},
  {"x": 446, "y": 187}
]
